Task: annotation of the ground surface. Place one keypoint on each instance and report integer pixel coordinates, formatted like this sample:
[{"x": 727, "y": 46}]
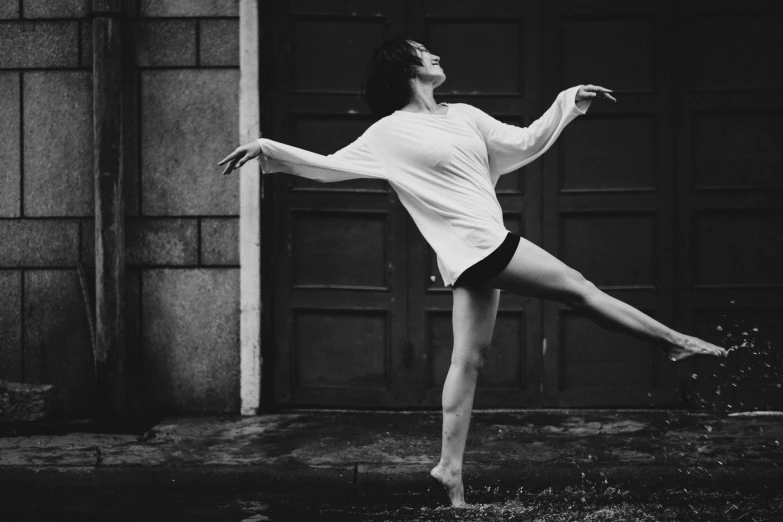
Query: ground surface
[
  {"x": 239, "y": 494},
  {"x": 531, "y": 466}
]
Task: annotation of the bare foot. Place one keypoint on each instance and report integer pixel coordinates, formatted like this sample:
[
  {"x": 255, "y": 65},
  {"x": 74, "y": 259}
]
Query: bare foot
[
  {"x": 691, "y": 346},
  {"x": 452, "y": 482}
]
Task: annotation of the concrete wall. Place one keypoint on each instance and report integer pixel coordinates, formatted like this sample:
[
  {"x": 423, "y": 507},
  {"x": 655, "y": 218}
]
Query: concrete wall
[{"x": 182, "y": 227}]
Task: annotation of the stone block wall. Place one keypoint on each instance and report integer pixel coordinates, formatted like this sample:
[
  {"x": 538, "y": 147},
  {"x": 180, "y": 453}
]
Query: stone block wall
[{"x": 182, "y": 225}]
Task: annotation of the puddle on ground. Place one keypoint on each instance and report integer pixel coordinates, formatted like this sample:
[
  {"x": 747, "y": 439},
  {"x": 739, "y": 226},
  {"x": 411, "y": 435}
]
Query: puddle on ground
[
  {"x": 594, "y": 502},
  {"x": 185, "y": 495}
]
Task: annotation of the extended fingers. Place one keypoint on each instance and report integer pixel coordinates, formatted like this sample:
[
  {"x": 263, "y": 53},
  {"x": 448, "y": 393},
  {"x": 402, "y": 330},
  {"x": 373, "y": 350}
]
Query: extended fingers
[
  {"x": 231, "y": 165},
  {"x": 591, "y": 87},
  {"x": 237, "y": 153},
  {"x": 595, "y": 91}
]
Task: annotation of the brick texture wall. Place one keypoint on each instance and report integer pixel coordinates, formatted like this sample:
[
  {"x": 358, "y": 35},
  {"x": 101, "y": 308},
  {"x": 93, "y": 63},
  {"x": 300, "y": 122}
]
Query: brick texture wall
[{"x": 182, "y": 225}]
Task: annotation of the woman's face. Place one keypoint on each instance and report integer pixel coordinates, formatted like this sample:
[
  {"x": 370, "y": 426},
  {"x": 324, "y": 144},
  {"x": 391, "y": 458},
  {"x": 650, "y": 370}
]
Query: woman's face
[{"x": 430, "y": 70}]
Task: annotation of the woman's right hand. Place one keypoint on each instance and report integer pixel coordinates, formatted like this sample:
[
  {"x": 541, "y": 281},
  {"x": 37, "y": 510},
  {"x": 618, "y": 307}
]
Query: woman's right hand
[
  {"x": 589, "y": 92},
  {"x": 240, "y": 156}
]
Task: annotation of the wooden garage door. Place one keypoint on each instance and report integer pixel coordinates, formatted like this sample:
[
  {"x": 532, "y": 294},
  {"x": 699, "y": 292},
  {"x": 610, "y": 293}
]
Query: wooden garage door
[{"x": 650, "y": 198}]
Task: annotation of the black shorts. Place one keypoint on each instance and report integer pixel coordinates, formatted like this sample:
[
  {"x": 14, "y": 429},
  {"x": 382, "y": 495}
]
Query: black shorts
[{"x": 492, "y": 265}]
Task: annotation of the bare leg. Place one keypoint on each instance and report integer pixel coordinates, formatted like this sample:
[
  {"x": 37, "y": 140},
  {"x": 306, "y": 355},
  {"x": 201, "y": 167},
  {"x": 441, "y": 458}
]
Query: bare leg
[
  {"x": 473, "y": 319},
  {"x": 536, "y": 273}
]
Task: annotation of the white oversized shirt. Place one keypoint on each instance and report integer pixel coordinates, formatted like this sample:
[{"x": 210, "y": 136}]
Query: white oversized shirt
[{"x": 444, "y": 169}]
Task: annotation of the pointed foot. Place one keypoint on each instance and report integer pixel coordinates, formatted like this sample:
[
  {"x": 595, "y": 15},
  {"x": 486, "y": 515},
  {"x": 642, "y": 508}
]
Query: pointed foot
[
  {"x": 451, "y": 481},
  {"x": 691, "y": 346}
]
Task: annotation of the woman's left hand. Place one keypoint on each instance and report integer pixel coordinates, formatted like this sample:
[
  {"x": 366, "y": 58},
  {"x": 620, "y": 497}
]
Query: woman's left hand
[{"x": 590, "y": 92}]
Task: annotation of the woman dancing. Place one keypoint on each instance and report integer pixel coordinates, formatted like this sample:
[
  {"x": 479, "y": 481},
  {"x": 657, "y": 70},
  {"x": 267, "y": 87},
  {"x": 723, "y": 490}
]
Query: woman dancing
[{"x": 443, "y": 161}]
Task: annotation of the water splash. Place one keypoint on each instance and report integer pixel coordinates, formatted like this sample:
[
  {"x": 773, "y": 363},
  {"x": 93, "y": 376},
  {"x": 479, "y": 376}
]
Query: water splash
[{"x": 750, "y": 378}]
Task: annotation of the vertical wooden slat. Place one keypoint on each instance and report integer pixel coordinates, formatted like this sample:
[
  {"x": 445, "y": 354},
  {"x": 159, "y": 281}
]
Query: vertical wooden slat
[
  {"x": 683, "y": 204},
  {"x": 551, "y": 72},
  {"x": 109, "y": 212}
]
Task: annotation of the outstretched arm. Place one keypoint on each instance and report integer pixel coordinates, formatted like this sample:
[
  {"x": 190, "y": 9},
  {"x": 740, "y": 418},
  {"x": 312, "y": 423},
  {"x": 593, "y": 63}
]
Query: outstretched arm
[
  {"x": 511, "y": 147},
  {"x": 356, "y": 160}
]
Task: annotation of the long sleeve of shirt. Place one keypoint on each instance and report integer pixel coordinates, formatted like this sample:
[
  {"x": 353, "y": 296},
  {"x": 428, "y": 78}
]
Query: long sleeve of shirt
[
  {"x": 357, "y": 160},
  {"x": 511, "y": 147},
  {"x": 443, "y": 167}
]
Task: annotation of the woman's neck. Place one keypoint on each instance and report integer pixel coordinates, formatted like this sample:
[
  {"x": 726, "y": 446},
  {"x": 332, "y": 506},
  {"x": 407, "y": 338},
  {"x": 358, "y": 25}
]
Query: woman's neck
[{"x": 422, "y": 99}]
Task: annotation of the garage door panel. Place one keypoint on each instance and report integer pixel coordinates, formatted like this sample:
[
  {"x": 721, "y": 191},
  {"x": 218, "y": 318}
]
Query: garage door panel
[
  {"x": 346, "y": 249},
  {"x": 737, "y": 247},
  {"x": 599, "y": 51},
  {"x": 595, "y": 357},
  {"x": 340, "y": 347},
  {"x": 611, "y": 248},
  {"x": 736, "y": 51},
  {"x": 326, "y": 63},
  {"x": 476, "y": 68},
  {"x": 734, "y": 150},
  {"x": 610, "y": 152}
]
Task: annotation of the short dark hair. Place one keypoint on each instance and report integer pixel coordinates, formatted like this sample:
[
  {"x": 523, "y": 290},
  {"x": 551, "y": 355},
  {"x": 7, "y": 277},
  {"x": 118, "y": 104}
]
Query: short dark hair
[{"x": 386, "y": 86}]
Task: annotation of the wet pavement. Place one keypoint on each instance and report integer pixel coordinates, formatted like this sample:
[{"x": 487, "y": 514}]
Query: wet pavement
[{"x": 520, "y": 465}]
